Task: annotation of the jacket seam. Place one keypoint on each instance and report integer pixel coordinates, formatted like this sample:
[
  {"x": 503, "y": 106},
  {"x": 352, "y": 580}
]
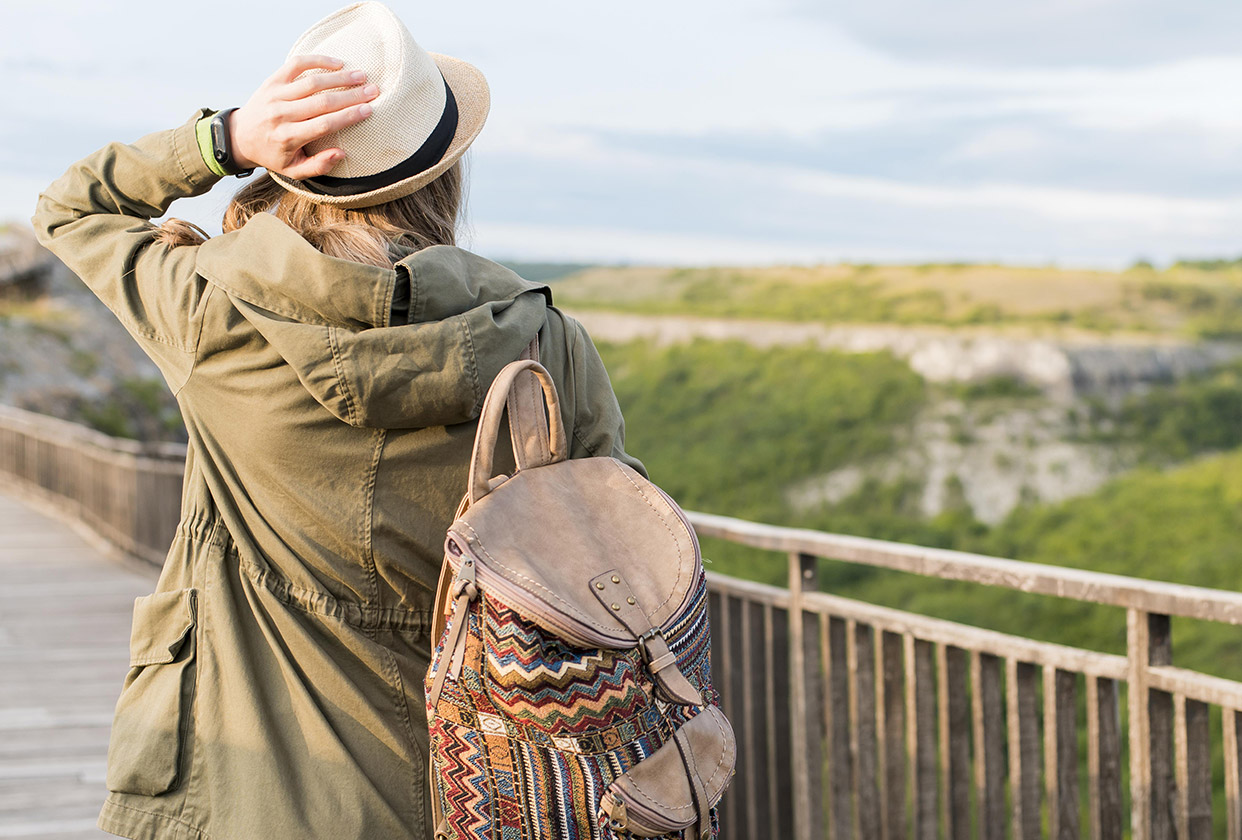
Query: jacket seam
[
  {"x": 198, "y": 339},
  {"x": 472, "y": 364},
  {"x": 403, "y": 709},
  {"x": 368, "y": 514},
  {"x": 309, "y": 318},
  {"x": 578, "y": 437},
  {"x": 185, "y": 176},
  {"x": 416, "y": 300},
  {"x": 112, "y": 803},
  {"x": 383, "y": 303},
  {"x": 146, "y": 332},
  {"x": 298, "y": 598},
  {"x": 334, "y": 348}
]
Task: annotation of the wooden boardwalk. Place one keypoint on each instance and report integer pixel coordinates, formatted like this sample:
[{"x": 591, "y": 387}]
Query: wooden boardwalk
[{"x": 64, "y": 636}]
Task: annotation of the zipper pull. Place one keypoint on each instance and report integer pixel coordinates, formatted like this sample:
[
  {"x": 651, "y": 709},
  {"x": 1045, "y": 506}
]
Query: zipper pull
[{"x": 465, "y": 590}]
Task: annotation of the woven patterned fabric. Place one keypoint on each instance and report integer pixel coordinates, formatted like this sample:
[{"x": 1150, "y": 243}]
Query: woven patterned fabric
[
  {"x": 528, "y": 738},
  {"x": 369, "y": 37}
]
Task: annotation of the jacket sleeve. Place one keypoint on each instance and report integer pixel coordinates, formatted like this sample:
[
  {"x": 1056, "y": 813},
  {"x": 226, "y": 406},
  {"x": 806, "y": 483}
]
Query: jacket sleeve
[
  {"x": 95, "y": 218},
  {"x": 599, "y": 428}
]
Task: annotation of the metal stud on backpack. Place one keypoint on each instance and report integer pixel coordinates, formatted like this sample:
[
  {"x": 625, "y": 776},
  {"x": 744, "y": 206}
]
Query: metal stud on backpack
[{"x": 570, "y": 693}]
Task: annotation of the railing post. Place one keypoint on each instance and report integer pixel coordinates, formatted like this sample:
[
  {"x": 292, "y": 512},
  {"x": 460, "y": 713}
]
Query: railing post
[
  {"x": 802, "y": 576},
  {"x": 1148, "y": 643}
]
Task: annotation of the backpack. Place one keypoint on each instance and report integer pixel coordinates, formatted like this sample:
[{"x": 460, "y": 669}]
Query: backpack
[{"x": 570, "y": 695}]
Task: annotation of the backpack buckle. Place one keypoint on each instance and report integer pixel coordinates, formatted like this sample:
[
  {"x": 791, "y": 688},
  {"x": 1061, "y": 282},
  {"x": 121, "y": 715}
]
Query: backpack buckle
[{"x": 653, "y": 633}]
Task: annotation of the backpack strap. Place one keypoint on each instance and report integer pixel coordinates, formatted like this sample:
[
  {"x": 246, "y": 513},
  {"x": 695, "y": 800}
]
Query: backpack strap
[
  {"x": 489, "y": 426},
  {"x": 698, "y": 791},
  {"x": 527, "y": 428},
  {"x": 531, "y": 444},
  {"x": 613, "y": 592}
]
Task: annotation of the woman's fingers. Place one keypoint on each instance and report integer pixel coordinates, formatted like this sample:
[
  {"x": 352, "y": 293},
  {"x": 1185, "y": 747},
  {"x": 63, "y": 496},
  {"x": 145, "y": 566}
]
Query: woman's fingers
[
  {"x": 293, "y": 108},
  {"x": 325, "y": 103},
  {"x": 299, "y": 64},
  {"x": 306, "y": 131},
  {"x": 315, "y": 165},
  {"x": 316, "y": 82}
]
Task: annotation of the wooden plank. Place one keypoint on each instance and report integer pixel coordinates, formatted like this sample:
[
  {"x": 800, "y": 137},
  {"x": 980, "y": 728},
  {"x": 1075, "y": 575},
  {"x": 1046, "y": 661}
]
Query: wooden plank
[
  {"x": 987, "y": 712},
  {"x": 954, "y": 741},
  {"x": 53, "y": 731},
  {"x": 1061, "y": 752},
  {"x": 1138, "y": 652},
  {"x": 1104, "y": 758},
  {"x": 722, "y": 658},
  {"x": 759, "y": 676},
  {"x": 923, "y": 743},
  {"x": 1078, "y": 584},
  {"x": 1197, "y": 738},
  {"x": 1215, "y": 691},
  {"x": 1093, "y": 759},
  {"x": 1160, "y": 743},
  {"x": 863, "y": 713},
  {"x": 841, "y": 756},
  {"x": 816, "y": 730},
  {"x": 736, "y": 801},
  {"x": 1067, "y": 755},
  {"x": 780, "y": 785},
  {"x": 893, "y": 691},
  {"x": 1181, "y": 811},
  {"x": 1022, "y": 690},
  {"x": 749, "y": 739},
  {"x": 934, "y": 630},
  {"x": 1233, "y": 778},
  {"x": 800, "y": 756}
]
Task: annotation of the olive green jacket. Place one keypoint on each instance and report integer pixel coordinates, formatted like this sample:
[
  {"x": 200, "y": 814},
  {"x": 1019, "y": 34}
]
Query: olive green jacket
[{"x": 276, "y": 679}]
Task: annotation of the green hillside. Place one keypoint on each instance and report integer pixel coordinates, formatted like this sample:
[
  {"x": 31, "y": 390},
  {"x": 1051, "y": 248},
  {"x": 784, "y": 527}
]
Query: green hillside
[
  {"x": 726, "y": 428},
  {"x": 1202, "y": 299}
]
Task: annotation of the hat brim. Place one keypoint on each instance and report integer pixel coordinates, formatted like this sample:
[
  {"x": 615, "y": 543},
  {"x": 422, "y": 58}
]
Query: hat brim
[{"x": 473, "y": 102}]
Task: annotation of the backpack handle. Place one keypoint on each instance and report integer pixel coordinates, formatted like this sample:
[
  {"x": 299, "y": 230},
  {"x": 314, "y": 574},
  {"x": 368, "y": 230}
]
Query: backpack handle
[{"x": 489, "y": 425}]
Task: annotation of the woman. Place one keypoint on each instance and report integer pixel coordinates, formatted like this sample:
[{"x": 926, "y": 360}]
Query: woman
[{"x": 329, "y": 352}]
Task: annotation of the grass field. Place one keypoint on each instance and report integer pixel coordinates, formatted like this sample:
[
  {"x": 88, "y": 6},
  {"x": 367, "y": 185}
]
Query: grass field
[{"x": 1202, "y": 300}]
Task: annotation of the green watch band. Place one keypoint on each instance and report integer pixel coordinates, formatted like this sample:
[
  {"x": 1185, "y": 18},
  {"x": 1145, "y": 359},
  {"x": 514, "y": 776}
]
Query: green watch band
[{"x": 202, "y": 132}]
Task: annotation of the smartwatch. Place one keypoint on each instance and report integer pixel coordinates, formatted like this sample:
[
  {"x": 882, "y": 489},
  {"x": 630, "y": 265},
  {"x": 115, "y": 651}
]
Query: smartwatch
[{"x": 220, "y": 148}]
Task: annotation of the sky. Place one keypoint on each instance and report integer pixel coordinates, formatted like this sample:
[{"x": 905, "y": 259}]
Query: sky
[{"x": 1068, "y": 132}]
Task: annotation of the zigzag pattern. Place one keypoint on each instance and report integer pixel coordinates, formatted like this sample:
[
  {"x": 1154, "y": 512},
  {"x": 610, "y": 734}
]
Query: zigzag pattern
[
  {"x": 536, "y": 679},
  {"x": 533, "y": 731},
  {"x": 463, "y": 793},
  {"x": 690, "y": 640}
]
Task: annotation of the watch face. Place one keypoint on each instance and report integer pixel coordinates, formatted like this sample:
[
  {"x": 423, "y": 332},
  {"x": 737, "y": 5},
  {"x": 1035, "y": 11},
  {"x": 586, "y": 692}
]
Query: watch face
[{"x": 219, "y": 141}]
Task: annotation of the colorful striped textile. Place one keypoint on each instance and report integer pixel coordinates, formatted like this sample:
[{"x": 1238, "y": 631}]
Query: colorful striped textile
[{"x": 529, "y": 736}]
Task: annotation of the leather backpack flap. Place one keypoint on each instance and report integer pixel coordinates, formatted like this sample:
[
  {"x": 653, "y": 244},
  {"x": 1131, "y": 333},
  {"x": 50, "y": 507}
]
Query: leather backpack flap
[
  {"x": 543, "y": 537},
  {"x": 675, "y": 787}
]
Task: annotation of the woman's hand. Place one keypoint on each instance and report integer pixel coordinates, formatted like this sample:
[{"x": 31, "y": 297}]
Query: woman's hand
[{"x": 287, "y": 112}]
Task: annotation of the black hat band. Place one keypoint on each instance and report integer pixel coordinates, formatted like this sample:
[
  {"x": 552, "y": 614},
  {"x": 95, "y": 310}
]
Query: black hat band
[{"x": 426, "y": 156}]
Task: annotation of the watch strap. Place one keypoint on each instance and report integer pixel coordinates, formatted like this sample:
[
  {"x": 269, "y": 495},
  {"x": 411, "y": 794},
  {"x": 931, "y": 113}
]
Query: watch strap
[
  {"x": 202, "y": 133},
  {"x": 221, "y": 148}
]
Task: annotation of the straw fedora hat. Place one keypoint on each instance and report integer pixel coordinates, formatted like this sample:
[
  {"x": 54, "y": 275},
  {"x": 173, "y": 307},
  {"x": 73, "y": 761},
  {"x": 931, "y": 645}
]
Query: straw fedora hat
[{"x": 429, "y": 109}]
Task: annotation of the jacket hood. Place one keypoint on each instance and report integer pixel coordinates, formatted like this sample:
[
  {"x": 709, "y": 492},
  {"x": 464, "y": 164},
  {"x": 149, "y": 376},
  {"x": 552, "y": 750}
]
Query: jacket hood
[{"x": 331, "y": 320}]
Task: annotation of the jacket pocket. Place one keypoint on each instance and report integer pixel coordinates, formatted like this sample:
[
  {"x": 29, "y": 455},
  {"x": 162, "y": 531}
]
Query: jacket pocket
[{"x": 149, "y": 730}]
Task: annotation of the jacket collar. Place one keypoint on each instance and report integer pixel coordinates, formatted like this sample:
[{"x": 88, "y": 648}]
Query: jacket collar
[{"x": 269, "y": 265}]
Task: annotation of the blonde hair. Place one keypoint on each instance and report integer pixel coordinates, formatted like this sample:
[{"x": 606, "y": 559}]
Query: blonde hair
[{"x": 426, "y": 217}]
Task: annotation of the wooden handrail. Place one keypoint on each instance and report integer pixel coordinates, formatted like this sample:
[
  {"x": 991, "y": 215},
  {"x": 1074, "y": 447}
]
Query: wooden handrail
[{"x": 1035, "y": 578}]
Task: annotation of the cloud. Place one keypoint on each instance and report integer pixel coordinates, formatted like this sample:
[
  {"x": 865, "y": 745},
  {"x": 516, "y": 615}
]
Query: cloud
[
  {"x": 1045, "y": 33},
  {"x": 741, "y": 125}
]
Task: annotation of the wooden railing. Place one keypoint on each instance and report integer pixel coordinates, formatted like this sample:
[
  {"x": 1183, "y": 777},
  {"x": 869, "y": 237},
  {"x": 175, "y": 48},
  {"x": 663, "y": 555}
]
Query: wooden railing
[
  {"x": 854, "y": 720},
  {"x": 126, "y": 493},
  {"x": 859, "y": 721}
]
